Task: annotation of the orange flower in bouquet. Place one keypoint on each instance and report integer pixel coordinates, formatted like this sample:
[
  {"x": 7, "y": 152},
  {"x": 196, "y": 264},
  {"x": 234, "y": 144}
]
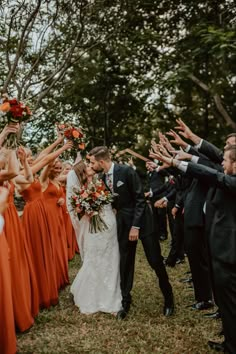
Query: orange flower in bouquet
[
  {"x": 90, "y": 200},
  {"x": 13, "y": 111},
  {"x": 75, "y": 134}
]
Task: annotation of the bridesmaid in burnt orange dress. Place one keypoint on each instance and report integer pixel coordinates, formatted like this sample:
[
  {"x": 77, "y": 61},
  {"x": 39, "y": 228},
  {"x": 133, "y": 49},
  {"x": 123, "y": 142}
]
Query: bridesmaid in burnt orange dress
[
  {"x": 53, "y": 196},
  {"x": 21, "y": 275},
  {"x": 7, "y": 328},
  {"x": 72, "y": 246},
  {"x": 37, "y": 230}
]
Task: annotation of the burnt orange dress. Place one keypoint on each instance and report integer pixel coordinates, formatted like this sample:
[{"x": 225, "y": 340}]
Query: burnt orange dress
[
  {"x": 36, "y": 227},
  {"x": 72, "y": 246},
  {"x": 7, "y": 327},
  {"x": 24, "y": 286},
  {"x": 58, "y": 233}
]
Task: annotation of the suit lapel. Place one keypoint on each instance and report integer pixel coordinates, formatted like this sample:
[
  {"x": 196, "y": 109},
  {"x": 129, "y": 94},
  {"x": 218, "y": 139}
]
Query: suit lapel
[{"x": 116, "y": 175}]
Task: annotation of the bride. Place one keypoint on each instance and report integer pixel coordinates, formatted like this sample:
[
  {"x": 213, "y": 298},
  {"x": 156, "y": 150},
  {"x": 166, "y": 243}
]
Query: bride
[{"x": 97, "y": 284}]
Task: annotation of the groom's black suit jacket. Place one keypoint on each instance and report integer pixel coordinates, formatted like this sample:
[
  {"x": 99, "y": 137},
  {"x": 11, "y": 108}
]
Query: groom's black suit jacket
[{"x": 130, "y": 202}]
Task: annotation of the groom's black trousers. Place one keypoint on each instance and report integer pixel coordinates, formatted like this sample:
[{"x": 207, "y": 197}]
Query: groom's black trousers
[{"x": 152, "y": 251}]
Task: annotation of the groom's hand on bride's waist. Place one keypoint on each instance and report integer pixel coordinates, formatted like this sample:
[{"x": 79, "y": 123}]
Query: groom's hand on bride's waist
[{"x": 134, "y": 233}]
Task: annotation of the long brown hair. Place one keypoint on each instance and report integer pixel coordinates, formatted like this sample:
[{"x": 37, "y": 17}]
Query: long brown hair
[{"x": 80, "y": 170}]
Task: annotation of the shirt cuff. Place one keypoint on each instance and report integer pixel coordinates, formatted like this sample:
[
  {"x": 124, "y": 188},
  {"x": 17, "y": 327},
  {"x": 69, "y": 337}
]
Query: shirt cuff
[
  {"x": 195, "y": 159},
  {"x": 188, "y": 147},
  {"x": 182, "y": 166},
  {"x": 197, "y": 146},
  {"x": 150, "y": 193},
  {"x": 136, "y": 227},
  {"x": 166, "y": 199}
]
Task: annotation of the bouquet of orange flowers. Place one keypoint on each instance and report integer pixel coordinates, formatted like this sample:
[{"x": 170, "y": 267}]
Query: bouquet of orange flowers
[
  {"x": 13, "y": 111},
  {"x": 75, "y": 134},
  {"x": 89, "y": 200}
]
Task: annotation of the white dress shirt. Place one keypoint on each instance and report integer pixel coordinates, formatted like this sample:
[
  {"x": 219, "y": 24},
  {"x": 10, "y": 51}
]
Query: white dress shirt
[{"x": 109, "y": 177}]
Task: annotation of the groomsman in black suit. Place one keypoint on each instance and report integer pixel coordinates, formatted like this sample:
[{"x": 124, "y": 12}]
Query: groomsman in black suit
[
  {"x": 222, "y": 239},
  {"x": 155, "y": 180},
  {"x": 134, "y": 221}
]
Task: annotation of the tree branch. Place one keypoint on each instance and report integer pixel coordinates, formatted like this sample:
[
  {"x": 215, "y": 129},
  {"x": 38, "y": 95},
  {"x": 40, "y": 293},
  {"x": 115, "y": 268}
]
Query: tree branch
[
  {"x": 24, "y": 33},
  {"x": 217, "y": 100}
]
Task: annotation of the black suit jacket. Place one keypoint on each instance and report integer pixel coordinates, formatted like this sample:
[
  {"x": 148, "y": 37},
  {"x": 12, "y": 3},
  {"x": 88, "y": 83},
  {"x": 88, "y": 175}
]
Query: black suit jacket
[
  {"x": 193, "y": 204},
  {"x": 211, "y": 151},
  {"x": 156, "y": 180},
  {"x": 130, "y": 199},
  {"x": 222, "y": 236},
  {"x": 130, "y": 202}
]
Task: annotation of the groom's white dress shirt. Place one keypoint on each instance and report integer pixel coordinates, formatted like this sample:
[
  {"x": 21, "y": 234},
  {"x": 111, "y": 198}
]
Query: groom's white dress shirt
[{"x": 109, "y": 177}]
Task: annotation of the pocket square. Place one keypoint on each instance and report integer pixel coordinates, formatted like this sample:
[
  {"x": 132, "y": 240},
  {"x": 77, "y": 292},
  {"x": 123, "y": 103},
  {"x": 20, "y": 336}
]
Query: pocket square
[{"x": 119, "y": 184}]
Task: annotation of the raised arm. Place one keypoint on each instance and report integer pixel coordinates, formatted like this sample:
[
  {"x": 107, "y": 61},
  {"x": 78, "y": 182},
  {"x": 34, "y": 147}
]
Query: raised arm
[
  {"x": 12, "y": 168},
  {"x": 212, "y": 176},
  {"x": 11, "y": 128},
  {"x": 28, "y": 177},
  {"x": 186, "y": 132},
  {"x": 48, "y": 149},
  {"x": 50, "y": 157}
]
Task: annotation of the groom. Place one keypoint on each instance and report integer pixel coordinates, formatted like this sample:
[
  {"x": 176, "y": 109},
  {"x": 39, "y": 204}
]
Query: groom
[{"x": 134, "y": 221}]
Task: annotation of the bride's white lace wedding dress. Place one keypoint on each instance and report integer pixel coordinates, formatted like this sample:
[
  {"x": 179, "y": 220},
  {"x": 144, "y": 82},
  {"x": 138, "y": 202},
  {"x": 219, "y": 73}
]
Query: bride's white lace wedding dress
[{"x": 97, "y": 284}]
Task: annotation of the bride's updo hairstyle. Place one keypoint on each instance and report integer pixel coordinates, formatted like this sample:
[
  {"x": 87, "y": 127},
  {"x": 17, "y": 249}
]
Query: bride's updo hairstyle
[{"x": 80, "y": 170}]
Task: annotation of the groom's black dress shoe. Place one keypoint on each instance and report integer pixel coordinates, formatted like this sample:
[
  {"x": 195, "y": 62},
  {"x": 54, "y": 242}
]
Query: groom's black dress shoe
[
  {"x": 169, "y": 307},
  {"x": 186, "y": 280},
  {"x": 203, "y": 305},
  {"x": 124, "y": 311},
  {"x": 121, "y": 314},
  {"x": 214, "y": 315},
  {"x": 168, "y": 311},
  {"x": 219, "y": 347}
]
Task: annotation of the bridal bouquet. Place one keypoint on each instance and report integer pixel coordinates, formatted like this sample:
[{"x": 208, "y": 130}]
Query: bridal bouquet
[
  {"x": 75, "y": 134},
  {"x": 89, "y": 200},
  {"x": 13, "y": 111}
]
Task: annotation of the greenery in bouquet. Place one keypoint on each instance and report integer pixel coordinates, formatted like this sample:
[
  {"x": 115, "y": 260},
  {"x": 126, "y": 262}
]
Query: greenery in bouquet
[
  {"x": 13, "y": 112},
  {"x": 89, "y": 200},
  {"x": 74, "y": 134}
]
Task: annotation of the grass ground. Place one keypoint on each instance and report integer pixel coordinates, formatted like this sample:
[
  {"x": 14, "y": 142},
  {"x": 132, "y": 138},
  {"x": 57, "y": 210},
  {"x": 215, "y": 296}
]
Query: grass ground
[{"x": 63, "y": 329}]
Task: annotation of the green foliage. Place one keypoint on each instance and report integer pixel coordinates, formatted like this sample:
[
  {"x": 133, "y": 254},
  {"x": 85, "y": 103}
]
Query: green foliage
[{"x": 122, "y": 68}]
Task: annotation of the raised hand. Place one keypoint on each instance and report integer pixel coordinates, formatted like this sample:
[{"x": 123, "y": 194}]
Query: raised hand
[
  {"x": 166, "y": 160},
  {"x": 68, "y": 145},
  {"x": 60, "y": 134},
  {"x": 130, "y": 161},
  {"x": 166, "y": 143},
  {"x": 177, "y": 139},
  {"x": 151, "y": 165},
  {"x": 159, "y": 148},
  {"x": 184, "y": 130},
  {"x": 21, "y": 154},
  {"x": 182, "y": 155},
  {"x": 163, "y": 150}
]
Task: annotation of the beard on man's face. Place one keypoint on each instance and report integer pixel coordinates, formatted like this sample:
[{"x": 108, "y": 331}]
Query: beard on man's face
[{"x": 97, "y": 168}]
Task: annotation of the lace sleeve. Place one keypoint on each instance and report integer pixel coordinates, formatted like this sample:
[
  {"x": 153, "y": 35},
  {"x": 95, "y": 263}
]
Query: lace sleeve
[
  {"x": 80, "y": 227},
  {"x": 72, "y": 181}
]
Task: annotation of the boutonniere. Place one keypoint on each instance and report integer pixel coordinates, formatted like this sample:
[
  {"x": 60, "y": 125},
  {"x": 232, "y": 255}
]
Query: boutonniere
[{"x": 119, "y": 184}]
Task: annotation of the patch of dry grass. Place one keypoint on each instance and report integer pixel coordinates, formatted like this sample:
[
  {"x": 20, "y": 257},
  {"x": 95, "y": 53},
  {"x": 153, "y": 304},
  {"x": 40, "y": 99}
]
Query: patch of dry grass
[{"x": 63, "y": 329}]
